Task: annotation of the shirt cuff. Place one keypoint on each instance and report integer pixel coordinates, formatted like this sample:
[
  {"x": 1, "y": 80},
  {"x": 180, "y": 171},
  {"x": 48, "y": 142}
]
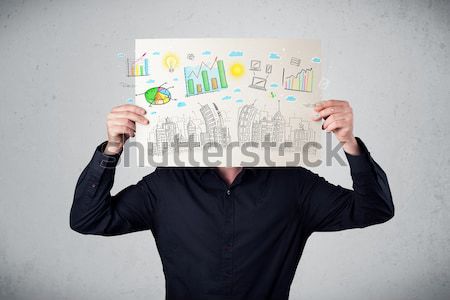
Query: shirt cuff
[
  {"x": 105, "y": 160},
  {"x": 362, "y": 162}
]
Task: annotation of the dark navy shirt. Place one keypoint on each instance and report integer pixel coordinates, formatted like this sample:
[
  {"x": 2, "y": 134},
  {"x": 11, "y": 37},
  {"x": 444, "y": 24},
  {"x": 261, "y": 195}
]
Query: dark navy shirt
[{"x": 242, "y": 241}]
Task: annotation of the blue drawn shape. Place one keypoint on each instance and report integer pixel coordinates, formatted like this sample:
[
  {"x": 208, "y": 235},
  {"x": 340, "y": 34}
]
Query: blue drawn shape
[
  {"x": 151, "y": 81},
  {"x": 237, "y": 90},
  {"x": 235, "y": 53},
  {"x": 274, "y": 55},
  {"x": 316, "y": 60},
  {"x": 226, "y": 98},
  {"x": 156, "y": 53},
  {"x": 274, "y": 85},
  {"x": 153, "y": 113},
  {"x": 130, "y": 100},
  {"x": 181, "y": 104},
  {"x": 291, "y": 98},
  {"x": 239, "y": 101},
  {"x": 206, "y": 53},
  {"x": 120, "y": 55},
  {"x": 175, "y": 79}
]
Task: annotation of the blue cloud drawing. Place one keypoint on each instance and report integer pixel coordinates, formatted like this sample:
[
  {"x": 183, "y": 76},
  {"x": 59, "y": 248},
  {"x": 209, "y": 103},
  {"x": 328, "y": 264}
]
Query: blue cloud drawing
[
  {"x": 153, "y": 113},
  {"x": 155, "y": 53},
  {"x": 316, "y": 60},
  {"x": 175, "y": 79},
  {"x": 226, "y": 98},
  {"x": 274, "y": 85},
  {"x": 130, "y": 100},
  {"x": 274, "y": 55},
  {"x": 151, "y": 81},
  {"x": 239, "y": 101},
  {"x": 181, "y": 104},
  {"x": 291, "y": 98},
  {"x": 235, "y": 53},
  {"x": 206, "y": 52},
  {"x": 120, "y": 55},
  {"x": 237, "y": 90}
]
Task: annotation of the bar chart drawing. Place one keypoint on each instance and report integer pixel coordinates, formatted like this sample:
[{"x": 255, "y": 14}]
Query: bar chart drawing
[
  {"x": 204, "y": 78},
  {"x": 301, "y": 82},
  {"x": 139, "y": 67}
]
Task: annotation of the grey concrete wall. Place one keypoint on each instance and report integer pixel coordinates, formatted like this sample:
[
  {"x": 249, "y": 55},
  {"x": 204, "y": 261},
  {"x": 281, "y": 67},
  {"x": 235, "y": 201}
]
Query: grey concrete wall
[{"x": 60, "y": 75}]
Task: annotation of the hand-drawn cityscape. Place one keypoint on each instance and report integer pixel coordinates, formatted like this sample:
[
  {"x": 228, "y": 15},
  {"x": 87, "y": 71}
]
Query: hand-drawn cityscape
[{"x": 253, "y": 125}]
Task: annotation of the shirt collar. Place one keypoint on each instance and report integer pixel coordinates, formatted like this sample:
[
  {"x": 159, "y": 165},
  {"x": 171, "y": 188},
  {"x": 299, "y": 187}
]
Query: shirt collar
[{"x": 204, "y": 170}]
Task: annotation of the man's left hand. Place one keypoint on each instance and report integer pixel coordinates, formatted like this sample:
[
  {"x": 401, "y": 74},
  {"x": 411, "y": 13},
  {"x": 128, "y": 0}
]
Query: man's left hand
[{"x": 338, "y": 116}]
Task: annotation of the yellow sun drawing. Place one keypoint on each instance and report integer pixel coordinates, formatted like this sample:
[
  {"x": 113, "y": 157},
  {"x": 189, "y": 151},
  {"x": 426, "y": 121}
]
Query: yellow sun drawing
[{"x": 237, "y": 70}]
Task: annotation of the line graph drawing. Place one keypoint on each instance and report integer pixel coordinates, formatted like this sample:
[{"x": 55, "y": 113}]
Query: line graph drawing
[
  {"x": 205, "y": 78},
  {"x": 138, "y": 67},
  {"x": 302, "y": 81}
]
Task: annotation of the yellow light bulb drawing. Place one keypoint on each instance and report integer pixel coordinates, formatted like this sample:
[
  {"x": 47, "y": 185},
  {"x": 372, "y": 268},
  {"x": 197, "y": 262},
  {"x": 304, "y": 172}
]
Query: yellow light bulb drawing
[{"x": 171, "y": 61}]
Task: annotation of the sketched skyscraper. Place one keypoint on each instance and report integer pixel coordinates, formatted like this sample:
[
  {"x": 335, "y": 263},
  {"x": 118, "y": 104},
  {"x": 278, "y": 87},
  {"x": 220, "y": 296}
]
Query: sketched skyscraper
[
  {"x": 266, "y": 129},
  {"x": 160, "y": 140},
  {"x": 170, "y": 129},
  {"x": 210, "y": 122},
  {"x": 215, "y": 130},
  {"x": 245, "y": 121},
  {"x": 256, "y": 131},
  {"x": 192, "y": 131},
  {"x": 278, "y": 126},
  {"x": 221, "y": 132}
]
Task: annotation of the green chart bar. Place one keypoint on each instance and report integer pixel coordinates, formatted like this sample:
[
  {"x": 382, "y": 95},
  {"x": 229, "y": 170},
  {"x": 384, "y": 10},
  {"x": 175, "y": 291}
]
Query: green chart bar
[
  {"x": 222, "y": 78},
  {"x": 205, "y": 80},
  {"x": 191, "y": 87}
]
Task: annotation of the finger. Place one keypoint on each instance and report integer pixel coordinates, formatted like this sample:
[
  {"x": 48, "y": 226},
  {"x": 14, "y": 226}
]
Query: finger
[
  {"x": 317, "y": 117},
  {"x": 335, "y": 125},
  {"x": 123, "y": 122},
  {"x": 128, "y": 115},
  {"x": 324, "y": 113},
  {"x": 329, "y": 103},
  {"x": 333, "y": 118},
  {"x": 131, "y": 108},
  {"x": 117, "y": 130}
]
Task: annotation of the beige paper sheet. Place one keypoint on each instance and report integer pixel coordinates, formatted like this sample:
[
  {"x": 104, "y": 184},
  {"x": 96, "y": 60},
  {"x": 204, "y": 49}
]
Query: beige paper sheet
[{"x": 227, "y": 102}]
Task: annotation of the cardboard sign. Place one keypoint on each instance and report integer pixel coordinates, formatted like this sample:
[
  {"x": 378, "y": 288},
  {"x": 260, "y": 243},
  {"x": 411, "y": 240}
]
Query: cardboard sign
[{"x": 227, "y": 102}]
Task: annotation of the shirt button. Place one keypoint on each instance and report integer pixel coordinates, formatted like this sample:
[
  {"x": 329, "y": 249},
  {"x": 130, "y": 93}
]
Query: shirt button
[{"x": 228, "y": 192}]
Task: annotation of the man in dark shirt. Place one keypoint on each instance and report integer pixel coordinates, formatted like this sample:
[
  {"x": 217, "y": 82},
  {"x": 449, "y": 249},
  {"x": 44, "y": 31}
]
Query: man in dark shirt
[{"x": 230, "y": 233}]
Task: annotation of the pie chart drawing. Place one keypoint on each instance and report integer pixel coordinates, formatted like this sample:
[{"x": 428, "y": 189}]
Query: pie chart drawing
[{"x": 158, "y": 95}]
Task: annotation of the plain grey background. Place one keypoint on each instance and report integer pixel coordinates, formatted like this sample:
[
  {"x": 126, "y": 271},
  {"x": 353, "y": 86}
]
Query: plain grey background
[{"x": 60, "y": 74}]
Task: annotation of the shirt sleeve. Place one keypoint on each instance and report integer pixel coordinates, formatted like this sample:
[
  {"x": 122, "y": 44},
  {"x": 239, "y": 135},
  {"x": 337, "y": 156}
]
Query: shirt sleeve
[
  {"x": 95, "y": 211},
  {"x": 330, "y": 207}
]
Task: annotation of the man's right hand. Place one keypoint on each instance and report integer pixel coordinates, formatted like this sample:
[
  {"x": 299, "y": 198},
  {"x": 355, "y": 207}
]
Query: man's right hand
[{"x": 121, "y": 124}]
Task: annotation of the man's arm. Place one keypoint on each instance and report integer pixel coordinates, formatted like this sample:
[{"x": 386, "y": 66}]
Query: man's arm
[
  {"x": 94, "y": 210},
  {"x": 330, "y": 207}
]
